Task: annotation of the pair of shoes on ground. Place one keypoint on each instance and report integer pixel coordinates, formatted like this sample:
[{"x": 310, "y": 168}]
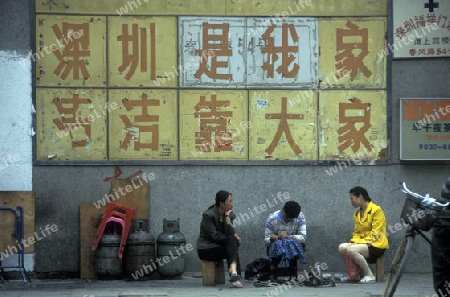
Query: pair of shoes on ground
[{"x": 364, "y": 280}]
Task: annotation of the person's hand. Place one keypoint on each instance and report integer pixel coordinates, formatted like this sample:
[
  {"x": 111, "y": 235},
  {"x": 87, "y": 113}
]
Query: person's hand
[
  {"x": 273, "y": 237},
  {"x": 228, "y": 212},
  {"x": 283, "y": 235},
  {"x": 239, "y": 240}
]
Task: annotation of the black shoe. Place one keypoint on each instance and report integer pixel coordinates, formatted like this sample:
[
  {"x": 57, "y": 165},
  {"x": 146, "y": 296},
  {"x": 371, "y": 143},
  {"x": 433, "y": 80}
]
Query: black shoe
[
  {"x": 294, "y": 282},
  {"x": 234, "y": 277}
]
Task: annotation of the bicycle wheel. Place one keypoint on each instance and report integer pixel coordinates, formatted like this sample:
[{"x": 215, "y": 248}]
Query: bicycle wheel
[{"x": 398, "y": 265}]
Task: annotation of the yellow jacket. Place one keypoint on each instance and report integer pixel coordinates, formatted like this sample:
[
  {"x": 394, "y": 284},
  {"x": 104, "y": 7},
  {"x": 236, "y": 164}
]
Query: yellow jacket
[{"x": 372, "y": 228}]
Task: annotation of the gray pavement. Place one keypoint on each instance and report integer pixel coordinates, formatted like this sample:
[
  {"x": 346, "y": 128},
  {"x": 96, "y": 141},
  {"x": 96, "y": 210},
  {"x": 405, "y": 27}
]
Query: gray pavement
[{"x": 189, "y": 285}]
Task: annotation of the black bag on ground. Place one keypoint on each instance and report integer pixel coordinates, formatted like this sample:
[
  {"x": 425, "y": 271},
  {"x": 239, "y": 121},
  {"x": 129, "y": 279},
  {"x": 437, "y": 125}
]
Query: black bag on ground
[{"x": 259, "y": 269}]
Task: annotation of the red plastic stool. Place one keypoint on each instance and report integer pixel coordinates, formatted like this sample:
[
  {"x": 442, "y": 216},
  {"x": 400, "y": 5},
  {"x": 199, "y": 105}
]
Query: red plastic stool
[
  {"x": 117, "y": 220},
  {"x": 115, "y": 212}
]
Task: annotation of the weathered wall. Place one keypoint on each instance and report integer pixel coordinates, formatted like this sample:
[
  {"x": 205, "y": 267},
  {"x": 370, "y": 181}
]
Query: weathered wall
[
  {"x": 15, "y": 94},
  {"x": 185, "y": 191},
  {"x": 15, "y": 104}
]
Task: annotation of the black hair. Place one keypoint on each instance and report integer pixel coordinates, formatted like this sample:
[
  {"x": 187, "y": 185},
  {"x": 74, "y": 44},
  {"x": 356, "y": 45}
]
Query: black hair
[
  {"x": 445, "y": 192},
  {"x": 360, "y": 191},
  {"x": 292, "y": 209},
  {"x": 221, "y": 196}
]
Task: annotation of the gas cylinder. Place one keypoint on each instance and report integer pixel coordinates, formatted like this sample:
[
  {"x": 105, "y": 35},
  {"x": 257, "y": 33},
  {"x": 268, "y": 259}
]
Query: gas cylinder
[
  {"x": 171, "y": 257},
  {"x": 137, "y": 224},
  {"x": 107, "y": 263},
  {"x": 140, "y": 252}
]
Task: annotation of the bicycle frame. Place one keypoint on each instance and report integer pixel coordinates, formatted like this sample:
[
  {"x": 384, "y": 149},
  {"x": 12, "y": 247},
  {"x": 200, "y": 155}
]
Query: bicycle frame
[
  {"x": 405, "y": 248},
  {"x": 412, "y": 229}
]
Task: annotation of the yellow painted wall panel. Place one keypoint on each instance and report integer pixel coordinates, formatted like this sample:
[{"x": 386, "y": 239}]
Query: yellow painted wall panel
[
  {"x": 144, "y": 51},
  {"x": 349, "y": 50},
  {"x": 283, "y": 125},
  {"x": 213, "y": 125},
  {"x": 71, "y": 124},
  {"x": 133, "y": 7},
  {"x": 144, "y": 126},
  {"x": 352, "y": 129},
  {"x": 306, "y": 7},
  {"x": 70, "y": 50}
]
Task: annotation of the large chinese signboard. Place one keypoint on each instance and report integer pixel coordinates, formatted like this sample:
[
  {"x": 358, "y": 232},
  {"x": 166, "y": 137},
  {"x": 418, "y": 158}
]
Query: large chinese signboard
[
  {"x": 187, "y": 80},
  {"x": 421, "y": 29},
  {"x": 425, "y": 129}
]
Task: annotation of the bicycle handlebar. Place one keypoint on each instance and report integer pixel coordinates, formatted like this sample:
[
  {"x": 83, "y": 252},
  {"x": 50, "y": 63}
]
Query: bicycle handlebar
[{"x": 426, "y": 197}]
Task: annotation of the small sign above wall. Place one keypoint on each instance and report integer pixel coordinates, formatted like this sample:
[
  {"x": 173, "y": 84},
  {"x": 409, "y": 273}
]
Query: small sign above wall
[
  {"x": 425, "y": 129},
  {"x": 421, "y": 29}
]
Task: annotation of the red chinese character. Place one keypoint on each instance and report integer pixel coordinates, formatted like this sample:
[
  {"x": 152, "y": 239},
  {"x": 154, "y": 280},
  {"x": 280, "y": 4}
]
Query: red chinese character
[
  {"x": 285, "y": 49},
  {"x": 218, "y": 44},
  {"x": 400, "y": 32},
  {"x": 74, "y": 48},
  {"x": 67, "y": 108},
  {"x": 213, "y": 125},
  {"x": 420, "y": 21},
  {"x": 135, "y": 131},
  {"x": 409, "y": 26},
  {"x": 444, "y": 18},
  {"x": 348, "y": 134},
  {"x": 137, "y": 41},
  {"x": 283, "y": 127},
  {"x": 347, "y": 61},
  {"x": 431, "y": 18}
]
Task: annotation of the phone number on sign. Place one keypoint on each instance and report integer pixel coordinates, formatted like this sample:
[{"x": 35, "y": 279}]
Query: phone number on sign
[{"x": 434, "y": 146}]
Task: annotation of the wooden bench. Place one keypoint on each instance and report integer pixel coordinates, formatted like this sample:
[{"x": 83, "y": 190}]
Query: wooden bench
[
  {"x": 213, "y": 273},
  {"x": 379, "y": 274}
]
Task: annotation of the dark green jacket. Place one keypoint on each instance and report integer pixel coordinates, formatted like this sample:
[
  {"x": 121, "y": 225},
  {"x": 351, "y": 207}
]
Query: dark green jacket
[{"x": 210, "y": 236}]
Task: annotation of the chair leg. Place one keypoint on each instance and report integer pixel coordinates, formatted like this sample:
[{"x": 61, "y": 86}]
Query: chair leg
[
  {"x": 99, "y": 233},
  {"x": 380, "y": 269}
]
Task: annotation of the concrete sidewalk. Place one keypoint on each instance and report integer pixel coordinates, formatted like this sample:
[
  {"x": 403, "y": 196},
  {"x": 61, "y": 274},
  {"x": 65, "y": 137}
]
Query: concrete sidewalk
[{"x": 410, "y": 285}]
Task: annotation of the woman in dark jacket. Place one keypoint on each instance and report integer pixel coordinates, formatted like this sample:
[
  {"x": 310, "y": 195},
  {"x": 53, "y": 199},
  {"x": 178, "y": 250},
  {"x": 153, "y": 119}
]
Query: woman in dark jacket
[{"x": 217, "y": 239}]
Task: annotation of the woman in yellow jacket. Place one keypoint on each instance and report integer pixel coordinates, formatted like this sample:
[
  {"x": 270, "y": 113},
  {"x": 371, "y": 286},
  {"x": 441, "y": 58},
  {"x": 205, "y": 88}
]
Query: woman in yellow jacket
[{"x": 369, "y": 240}]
